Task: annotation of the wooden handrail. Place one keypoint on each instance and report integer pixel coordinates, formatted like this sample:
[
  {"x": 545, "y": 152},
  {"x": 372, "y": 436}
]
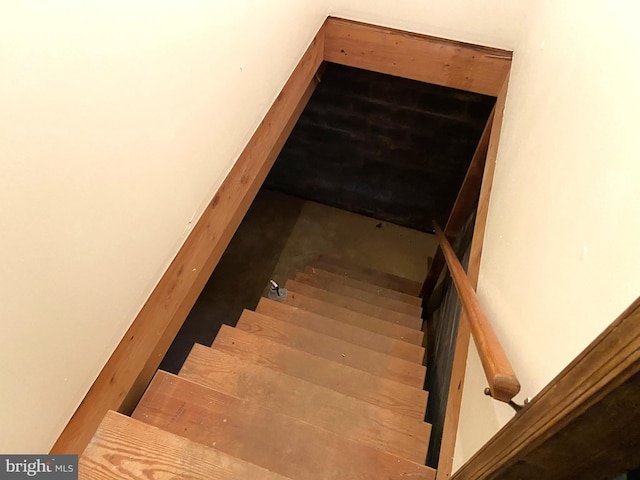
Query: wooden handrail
[{"x": 503, "y": 384}]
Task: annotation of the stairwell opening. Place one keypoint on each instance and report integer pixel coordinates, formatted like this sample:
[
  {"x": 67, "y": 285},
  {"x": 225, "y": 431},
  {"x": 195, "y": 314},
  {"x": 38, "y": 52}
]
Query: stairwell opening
[
  {"x": 375, "y": 49},
  {"x": 371, "y": 162}
]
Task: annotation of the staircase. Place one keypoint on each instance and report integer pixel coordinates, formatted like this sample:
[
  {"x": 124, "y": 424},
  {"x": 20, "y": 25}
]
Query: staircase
[{"x": 327, "y": 384}]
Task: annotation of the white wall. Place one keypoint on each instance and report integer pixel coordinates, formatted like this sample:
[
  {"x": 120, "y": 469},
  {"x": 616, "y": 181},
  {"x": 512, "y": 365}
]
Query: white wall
[
  {"x": 562, "y": 255},
  {"x": 118, "y": 122}
]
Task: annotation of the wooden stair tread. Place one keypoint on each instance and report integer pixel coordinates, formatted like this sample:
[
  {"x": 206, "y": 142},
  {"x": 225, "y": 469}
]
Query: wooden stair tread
[
  {"x": 125, "y": 448},
  {"x": 355, "y": 419},
  {"x": 358, "y": 294},
  {"x": 369, "y": 275},
  {"x": 368, "y": 287},
  {"x": 333, "y": 349},
  {"x": 397, "y": 318},
  {"x": 397, "y": 397},
  {"x": 272, "y": 440},
  {"x": 361, "y": 320},
  {"x": 335, "y": 328}
]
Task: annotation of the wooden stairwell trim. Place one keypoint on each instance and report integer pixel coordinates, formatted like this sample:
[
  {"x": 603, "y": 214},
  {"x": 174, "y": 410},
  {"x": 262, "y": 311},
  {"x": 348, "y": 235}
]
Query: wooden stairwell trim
[
  {"x": 132, "y": 365},
  {"x": 419, "y": 57},
  {"x": 249, "y": 431}
]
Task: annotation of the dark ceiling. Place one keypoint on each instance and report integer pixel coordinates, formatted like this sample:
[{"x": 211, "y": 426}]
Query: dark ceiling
[{"x": 390, "y": 148}]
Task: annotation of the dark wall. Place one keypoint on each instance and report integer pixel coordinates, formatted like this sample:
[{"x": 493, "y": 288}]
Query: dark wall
[{"x": 382, "y": 146}]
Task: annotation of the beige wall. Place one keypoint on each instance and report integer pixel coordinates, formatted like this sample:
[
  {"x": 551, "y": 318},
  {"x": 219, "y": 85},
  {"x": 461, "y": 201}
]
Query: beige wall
[
  {"x": 118, "y": 121},
  {"x": 562, "y": 255}
]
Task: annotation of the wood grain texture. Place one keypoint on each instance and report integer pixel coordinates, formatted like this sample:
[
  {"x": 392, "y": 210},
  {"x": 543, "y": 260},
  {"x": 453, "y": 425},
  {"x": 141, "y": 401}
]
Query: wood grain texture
[
  {"x": 358, "y": 294},
  {"x": 368, "y": 275},
  {"x": 354, "y": 318},
  {"x": 465, "y": 203},
  {"x": 136, "y": 358},
  {"x": 274, "y": 441},
  {"x": 334, "y": 328},
  {"x": 350, "y": 303},
  {"x": 347, "y": 416},
  {"x": 583, "y": 424},
  {"x": 454, "y": 404},
  {"x": 368, "y": 287},
  {"x": 124, "y": 448},
  {"x": 332, "y": 349},
  {"x": 419, "y": 57},
  {"x": 394, "y": 396},
  {"x": 503, "y": 382}
]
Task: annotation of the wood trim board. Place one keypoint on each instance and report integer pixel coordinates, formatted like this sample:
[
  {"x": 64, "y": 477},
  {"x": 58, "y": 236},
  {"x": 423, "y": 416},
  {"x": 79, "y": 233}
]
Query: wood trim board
[
  {"x": 472, "y": 68},
  {"x": 134, "y": 361}
]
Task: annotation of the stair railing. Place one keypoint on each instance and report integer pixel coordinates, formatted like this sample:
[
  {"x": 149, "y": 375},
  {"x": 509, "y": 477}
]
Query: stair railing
[{"x": 503, "y": 383}]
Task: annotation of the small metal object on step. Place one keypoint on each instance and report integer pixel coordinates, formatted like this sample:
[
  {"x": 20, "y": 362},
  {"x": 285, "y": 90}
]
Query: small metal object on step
[
  {"x": 275, "y": 292},
  {"x": 517, "y": 407}
]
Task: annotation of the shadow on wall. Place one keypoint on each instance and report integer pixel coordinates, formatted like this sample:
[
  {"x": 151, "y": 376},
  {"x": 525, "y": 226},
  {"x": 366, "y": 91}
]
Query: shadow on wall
[{"x": 241, "y": 275}]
